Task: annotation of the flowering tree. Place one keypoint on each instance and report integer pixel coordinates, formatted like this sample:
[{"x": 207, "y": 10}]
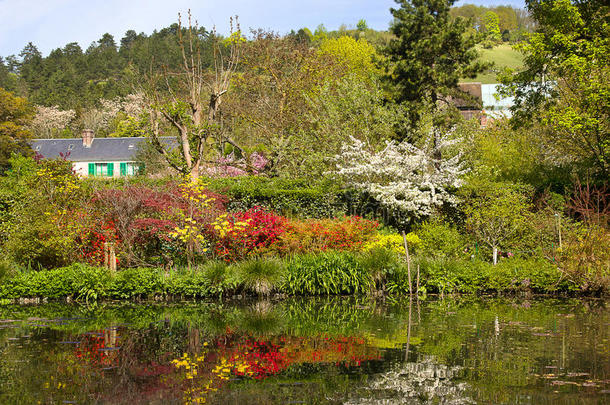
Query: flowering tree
[
  {"x": 49, "y": 121},
  {"x": 407, "y": 180}
]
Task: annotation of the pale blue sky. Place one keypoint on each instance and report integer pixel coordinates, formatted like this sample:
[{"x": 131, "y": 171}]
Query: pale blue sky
[{"x": 50, "y": 24}]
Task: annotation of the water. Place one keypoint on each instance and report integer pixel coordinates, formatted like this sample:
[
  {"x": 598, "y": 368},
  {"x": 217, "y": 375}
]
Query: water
[{"x": 306, "y": 351}]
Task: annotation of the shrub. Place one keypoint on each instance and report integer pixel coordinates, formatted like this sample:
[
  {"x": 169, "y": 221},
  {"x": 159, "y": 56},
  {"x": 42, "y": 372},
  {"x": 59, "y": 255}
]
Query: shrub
[
  {"x": 259, "y": 229},
  {"x": 319, "y": 235},
  {"x": 395, "y": 243},
  {"x": 380, "y": 263},
  {"x": 136, "y": 282},
  {"x": 261, "y": 276},
  {"x": 326, "y": 273},
  {"x": 585, "y": 257},
  {"x": 77, "y": 281},
  {"x": 439, "y": 239},
  {"x": 290, "y": 197}
]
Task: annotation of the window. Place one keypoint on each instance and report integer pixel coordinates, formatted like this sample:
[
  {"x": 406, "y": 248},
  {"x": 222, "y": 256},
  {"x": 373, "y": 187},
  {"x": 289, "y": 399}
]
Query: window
[
  {"x": 71, "y": 146},
  {"x": 101, "y": 169},
  {"x": 132, "y": 169}
]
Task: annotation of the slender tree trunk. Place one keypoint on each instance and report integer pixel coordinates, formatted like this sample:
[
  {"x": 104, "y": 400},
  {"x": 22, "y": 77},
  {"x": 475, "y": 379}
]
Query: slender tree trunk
[
  {"x": 495, "y": 249},
  {"x": 404, "y": 239}
]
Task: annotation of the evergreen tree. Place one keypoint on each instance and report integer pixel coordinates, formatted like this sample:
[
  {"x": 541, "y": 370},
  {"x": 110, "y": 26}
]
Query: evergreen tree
[{"x": 430, "y": 54}]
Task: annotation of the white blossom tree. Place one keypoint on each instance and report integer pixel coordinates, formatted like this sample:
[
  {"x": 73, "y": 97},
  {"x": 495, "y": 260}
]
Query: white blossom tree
[
  {"x": 50, "y": 121},
  {"x": 407, "y": 180}
]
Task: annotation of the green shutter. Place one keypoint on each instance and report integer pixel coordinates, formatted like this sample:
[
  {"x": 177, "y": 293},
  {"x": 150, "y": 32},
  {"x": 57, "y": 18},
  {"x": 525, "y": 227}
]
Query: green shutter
[
  {"x": 91, "y": 169},
  {"x": 110, "y": 169},
  {"x": 141, "y": 168},
  {"x": 123, "y": 169}
]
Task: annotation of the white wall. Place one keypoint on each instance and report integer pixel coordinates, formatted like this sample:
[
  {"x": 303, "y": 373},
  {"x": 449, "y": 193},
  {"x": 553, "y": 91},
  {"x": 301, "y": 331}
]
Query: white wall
[{"x": 82, "y": 168}]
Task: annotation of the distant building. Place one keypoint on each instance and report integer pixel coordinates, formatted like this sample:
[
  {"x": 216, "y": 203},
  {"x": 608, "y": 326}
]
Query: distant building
[
  {"x": 99, "y": 157},
  {"x": 490, "y": 105}
]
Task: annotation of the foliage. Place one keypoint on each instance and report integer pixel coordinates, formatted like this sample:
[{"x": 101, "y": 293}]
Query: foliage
[
  {"x": 250, "y": 232},
  {"x": 261, "y": 276},
  {"x": 45, "y": 224},
  {"x": 585, "y": 258},
  {"x": 496, "y": 213},
  {"x": 15, "y": 115},
  {"x": 509, "y": 275},
  {"x": 395, "y": 243},
  {"x": 319, "y": 235},
  {"x": 326, "y": 273},
  {"x": 357, "y": 55},
  {"x": 290, "y": 197},
  {"x": 564, "y": 82},
  {"x": 440, "y": 239},
  {"x": 491, "y": 22}
]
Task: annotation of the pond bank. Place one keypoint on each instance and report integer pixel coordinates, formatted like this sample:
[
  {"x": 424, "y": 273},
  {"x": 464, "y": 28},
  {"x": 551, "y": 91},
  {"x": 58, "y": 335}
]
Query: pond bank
[{"x": 322, "y": 274}]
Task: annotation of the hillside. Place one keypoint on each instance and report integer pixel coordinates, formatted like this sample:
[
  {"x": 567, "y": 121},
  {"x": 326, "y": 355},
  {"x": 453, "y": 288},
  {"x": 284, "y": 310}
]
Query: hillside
[{"x": 503, "y": 56}]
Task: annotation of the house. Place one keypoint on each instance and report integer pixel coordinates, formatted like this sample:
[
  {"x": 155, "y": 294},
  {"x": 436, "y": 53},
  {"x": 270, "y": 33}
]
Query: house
[
  {"x": 99, "y": 157},
  {"x": 490, "y": 105}
]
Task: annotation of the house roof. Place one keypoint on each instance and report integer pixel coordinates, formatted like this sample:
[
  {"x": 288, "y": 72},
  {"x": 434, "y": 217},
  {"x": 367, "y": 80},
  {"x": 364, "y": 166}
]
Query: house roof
[{"x": 101, "y": 150}]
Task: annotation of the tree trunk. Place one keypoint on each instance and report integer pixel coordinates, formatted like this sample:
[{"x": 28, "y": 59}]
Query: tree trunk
[
  {"x": 404, "y": 238},
  {"x": 495, "y": 249}
]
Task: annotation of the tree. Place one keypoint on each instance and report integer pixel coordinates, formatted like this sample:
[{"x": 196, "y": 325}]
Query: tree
[
  {"x": 49, "y": 122},
  {"x": 492, "y": 26},
  {"x": 15, "y": 115},
  {"x": 430, "y": 53},
  {"x": 410, "y": 182},
  {"x": 362, "y": 25},
  {"x": 191, "y": 100},
  {"x": 270, "y": 98},
  {"x": 496, "y": 213},
  {"x": 565, "y": 80}
]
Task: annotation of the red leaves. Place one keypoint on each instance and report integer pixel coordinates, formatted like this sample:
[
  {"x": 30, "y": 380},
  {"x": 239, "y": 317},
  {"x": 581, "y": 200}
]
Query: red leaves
[{"x": 262, "y": 230}]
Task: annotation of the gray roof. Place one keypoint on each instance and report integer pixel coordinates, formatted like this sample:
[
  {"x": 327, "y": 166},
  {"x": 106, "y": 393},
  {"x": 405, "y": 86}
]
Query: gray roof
[{"x": 101, "y": 150}]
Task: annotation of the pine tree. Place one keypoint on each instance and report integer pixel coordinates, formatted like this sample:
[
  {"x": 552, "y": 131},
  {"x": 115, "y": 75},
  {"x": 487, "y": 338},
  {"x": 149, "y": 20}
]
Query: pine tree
[{"x": 430, "y": 54}]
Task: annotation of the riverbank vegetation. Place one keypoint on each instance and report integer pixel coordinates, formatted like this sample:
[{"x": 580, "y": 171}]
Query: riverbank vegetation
[{"x": 320, "y": 167}]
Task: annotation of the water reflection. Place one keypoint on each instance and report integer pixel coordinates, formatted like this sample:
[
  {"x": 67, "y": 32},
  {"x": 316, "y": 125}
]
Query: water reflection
[{"x": 341, "y": 350}]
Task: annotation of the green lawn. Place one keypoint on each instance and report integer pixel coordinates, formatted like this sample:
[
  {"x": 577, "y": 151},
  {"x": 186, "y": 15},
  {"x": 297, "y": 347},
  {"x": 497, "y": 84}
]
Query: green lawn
[{"x": 503, "y": 56}]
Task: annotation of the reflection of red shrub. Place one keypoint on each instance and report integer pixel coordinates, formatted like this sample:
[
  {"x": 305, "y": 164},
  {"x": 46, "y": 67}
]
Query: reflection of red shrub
[
  {"x": 262, "y": 230},
  {"x": 260, "y": 359},
  {"x": 91, "y": 349}
]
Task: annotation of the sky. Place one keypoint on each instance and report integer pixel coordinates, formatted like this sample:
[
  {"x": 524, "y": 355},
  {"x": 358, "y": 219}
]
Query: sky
[{"x": 51, "y": 24}]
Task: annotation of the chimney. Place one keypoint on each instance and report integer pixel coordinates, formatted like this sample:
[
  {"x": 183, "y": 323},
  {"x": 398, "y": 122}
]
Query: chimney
[{"x": 87, "y": 137}]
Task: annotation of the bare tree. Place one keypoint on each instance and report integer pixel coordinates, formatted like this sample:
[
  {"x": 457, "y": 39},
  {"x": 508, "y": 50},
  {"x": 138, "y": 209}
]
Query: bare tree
[{"x": 178, "y": 100}]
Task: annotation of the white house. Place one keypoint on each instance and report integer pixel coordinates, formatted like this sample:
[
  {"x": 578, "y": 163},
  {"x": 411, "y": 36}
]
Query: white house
[{"x": 100, "y": 157}]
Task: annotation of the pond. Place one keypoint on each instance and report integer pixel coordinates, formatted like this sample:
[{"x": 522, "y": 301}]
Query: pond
[{"x": 341, "y": 350}]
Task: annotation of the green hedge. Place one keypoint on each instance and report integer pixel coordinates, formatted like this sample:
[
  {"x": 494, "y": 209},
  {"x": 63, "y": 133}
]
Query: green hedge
[{"x": 291, "y": 197}]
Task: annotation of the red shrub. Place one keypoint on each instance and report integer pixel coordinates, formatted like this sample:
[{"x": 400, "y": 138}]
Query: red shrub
[
  {"x": 262, "y": 230},
  {"x": 315, "y": 235}
]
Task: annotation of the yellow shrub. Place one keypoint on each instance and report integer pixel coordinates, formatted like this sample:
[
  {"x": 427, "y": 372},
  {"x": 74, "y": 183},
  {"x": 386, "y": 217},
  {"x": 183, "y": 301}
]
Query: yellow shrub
[{"x": 394, "y": 242}]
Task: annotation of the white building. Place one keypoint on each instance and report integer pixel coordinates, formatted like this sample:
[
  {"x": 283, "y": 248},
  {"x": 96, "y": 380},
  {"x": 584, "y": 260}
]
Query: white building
[{"x": 99, "y": 157}]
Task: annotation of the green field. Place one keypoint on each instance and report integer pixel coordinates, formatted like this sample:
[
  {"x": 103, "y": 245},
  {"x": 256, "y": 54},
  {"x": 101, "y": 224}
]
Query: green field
[{"x": 503, "y": 56}]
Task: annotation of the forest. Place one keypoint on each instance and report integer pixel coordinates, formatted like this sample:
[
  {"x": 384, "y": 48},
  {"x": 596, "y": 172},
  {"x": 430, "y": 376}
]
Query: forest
[{"x": 310, "y": 162}]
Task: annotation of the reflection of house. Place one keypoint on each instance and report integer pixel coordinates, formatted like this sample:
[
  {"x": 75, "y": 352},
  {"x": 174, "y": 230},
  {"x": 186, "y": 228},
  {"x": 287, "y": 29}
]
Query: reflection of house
[
  {"x": 484, "y": 102},
  {"x": 100, "y": 157}
]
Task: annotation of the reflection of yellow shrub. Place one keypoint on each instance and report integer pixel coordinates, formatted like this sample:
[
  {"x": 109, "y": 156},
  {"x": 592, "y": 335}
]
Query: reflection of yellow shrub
[{"x": 393, "y": 242}]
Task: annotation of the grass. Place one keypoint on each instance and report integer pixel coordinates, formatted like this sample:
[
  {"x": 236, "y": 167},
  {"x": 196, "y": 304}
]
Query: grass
[{"x": 503, "y": 56}]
